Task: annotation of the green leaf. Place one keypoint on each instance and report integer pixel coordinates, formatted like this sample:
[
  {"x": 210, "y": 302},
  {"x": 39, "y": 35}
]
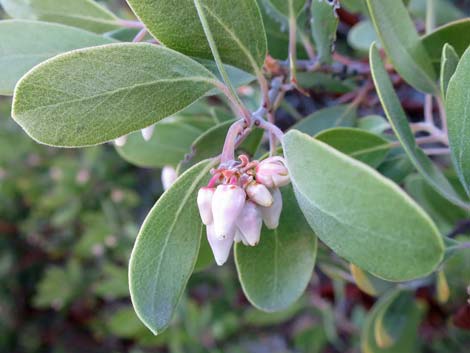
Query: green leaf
[
  {"x": 452, "y": 34},
  {"x": 324, "y": 25},
  {"x": 402, "y": 43},
  {"x": 362, "y": 35},
  {"x": 407, "y": 342},
  {"x": 34, "y": 42},
  {"x": 166, "y": 250},
  {"x": 94, "y": 95},
  {"x": 324, "y": 82},
  {"x": 275, "y": 273},
  {"x": 392, "y": 318},
  {"x": 449, "y": 62},
  {"x": 398, "y": 120},
  {"x": 445, "y": 10},
  {"x": 444, "y": 213},
  {"x": 338, "y": 115},
  {"x": 353, "y": 209},
  {"x": 170, "y": 142},
  {"x": 397, "y": 166},
  {"x": 361, "y": 145},
  {"x": 283, "y": 6},
  {"x": 458, "y": 119},
  {"x": 376, "y": 124},
  {"x": 86, "y": 14},
  {"x": 237, "y": 29}
]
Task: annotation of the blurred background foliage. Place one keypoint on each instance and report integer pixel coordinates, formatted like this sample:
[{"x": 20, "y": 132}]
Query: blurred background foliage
[{"x": 68, "y": 219}]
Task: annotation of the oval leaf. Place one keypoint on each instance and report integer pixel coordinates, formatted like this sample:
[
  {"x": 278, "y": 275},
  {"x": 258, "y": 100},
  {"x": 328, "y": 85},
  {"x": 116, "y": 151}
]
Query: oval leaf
[
  {"x": 166, "y": 250},
  {"x": 353, "y": 209},
  {"x": 94, "y": 95},
  {"x": 397, "y": 117},
  {"x": 361, "y": 145},
  {"x": 458, "y": 119},
  {"x": 402, "y": 43},
  {"x": 237, "y": 29},
  {"x": 86, "y": 14},
  {"x": 35, "y": 42},
  {"x": 275, "y": 273}
]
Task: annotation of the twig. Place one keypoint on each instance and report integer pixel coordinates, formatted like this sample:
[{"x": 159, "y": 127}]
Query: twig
[
  {"x": 140, "y": 36},
  {"x": 130, "y": 24}
]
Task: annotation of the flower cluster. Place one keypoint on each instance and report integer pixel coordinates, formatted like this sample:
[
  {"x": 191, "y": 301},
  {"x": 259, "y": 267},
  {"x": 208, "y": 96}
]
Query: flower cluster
[{"x": 239, "y": 197}]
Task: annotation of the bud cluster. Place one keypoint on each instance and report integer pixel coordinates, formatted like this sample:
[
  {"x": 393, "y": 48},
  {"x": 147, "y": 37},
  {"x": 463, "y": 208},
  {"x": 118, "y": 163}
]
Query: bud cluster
[{"x": 240, "y": 196}]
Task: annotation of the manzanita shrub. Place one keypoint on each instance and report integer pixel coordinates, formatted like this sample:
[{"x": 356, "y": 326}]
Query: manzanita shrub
[{"x": 193, "y": 86}]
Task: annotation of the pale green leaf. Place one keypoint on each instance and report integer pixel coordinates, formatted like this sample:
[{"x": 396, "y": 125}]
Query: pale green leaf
[
  {"x": 86, "y": 14},
  {"x": 324, "y": 25},
  {"x": 362, "y": 35},
  {"x": 458, "y": 119},
  {"x": 452, "y": 33},
  {"x": 237, "y": 29},
  {"x": 34, "y": 42},
  {"x": 397, "y": 117},
  {"x": 450, "y": 60},
  {"x": 276, "y": 272},
  {"x": 94, "y": 95},
  {"x": 326, "y": 118},
  {"x": 166, "y": 250},
  {"x": 353, "y": 209},
  {"x": 402, "y": 43},
  {"x": 361, "y": 145},
  {"x": 376, "y": 124}
]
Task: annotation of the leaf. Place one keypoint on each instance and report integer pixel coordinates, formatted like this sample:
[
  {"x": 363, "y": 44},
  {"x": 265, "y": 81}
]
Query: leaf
[
  {"x": 397, "y": 166},
  {"x": 211, "y": 142},
  {"x": 406, "y": 344},
  {"x": 283, "y": 6},
  {"x": 376, "y": 124},
  {"x": 449, "y": 62},
  {"x": 275, "y": 273},
  {"x": 444, "y": 213},
  {"x": 237, "y": 29},
  {"x": 361, "y": 145},
  {"x": 442, "y": 288},
  {"x": 458, "y": 119},
  {"x": 451, "y": 34},
  {"x": 339, "y": 115},
  {"x": 324, "y": 26},
  {"x": 324, "y": 82},
  {"x": 402, "y": 43},
  {"x": 170, "y": 142},
  {"x": 353, "y": 209},
  {"x": 166, "y": 250},
  {"x": 445, "y": 10},
  {"x": 237, "y": 77},
  {"x": 94, "y": 95},
  {"x": 369, "y": 284},
  {"x": 392, "y": 318},
  {"x": 398, "y": 120},
  {"x": 362, "y": 35},
  {"x": 86, "y": 14},
  {"x": 35, "y": 42}
]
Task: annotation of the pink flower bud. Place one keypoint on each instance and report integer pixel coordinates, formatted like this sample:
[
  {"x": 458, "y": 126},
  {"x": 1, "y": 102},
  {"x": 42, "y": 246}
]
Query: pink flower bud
[
  {"x": 272, "y": 172},
  {"x": 240, "y": 238},
  {"x": 272, "y": 214},
  {"x": 227, "y": 204},
  {"x": 249, "y": 223},
  {"x": 220, "y": 247},
  {"x": 169, "y": 176},
  {"x": 259, "y": 194},
  {"x": 204, "y": 202}
]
